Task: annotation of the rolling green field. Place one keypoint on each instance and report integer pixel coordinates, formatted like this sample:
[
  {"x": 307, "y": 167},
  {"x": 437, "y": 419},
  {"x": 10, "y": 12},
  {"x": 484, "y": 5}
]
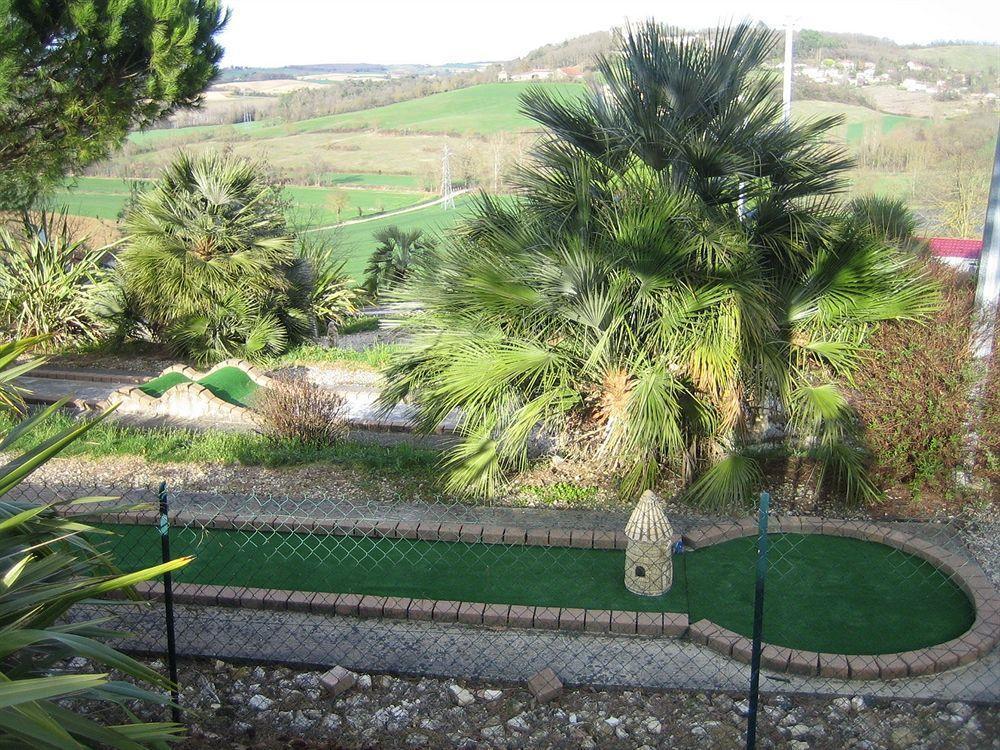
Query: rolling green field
[
  {"x": 858, "y": 121},
  {"x": 103, "y": 198},
  {"x": 355, "y": 242}
]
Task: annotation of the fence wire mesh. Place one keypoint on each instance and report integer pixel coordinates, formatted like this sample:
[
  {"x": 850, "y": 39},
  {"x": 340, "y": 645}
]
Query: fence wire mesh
[{"x": 894, "y": 608}]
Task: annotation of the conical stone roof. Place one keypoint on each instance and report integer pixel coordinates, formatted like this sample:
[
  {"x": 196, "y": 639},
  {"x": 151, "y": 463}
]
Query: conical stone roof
[{"x": 648, "y": 522}]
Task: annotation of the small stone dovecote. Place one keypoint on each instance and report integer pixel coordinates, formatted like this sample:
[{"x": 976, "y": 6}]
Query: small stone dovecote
[{"x": 649, "y": 570}]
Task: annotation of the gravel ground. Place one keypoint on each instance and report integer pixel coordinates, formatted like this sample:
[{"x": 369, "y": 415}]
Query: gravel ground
[{"x": 247, "y": 706}]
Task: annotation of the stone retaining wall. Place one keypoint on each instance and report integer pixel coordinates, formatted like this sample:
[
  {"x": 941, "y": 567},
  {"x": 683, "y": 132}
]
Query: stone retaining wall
[{"x": 978, "y": 641}]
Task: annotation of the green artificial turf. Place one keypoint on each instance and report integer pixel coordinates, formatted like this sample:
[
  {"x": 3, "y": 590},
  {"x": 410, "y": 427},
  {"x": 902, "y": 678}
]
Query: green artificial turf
[
  {"x": 827, "y": 594},
  {"x": 163, "y": 383},
  {"x": 228, "y": 383}
]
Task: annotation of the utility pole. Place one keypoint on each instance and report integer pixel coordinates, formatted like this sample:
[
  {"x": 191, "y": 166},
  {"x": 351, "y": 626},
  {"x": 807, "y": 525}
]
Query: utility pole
[
  {"x": 786, "y": 89},
  {"x": 447, "y": 192}
]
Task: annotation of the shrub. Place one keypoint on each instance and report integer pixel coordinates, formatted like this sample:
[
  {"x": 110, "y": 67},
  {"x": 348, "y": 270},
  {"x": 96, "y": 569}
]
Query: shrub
[
  {"x": 912, "y": 392},
  {"x": 47, "y": 278},
  {"x": 398, "y": 254},
  {"x": 659, "y": 284},
  {"x": 332, "y": 296},
  {"x": 295, "y": 408},
  {"x": 211, "y": 264},
  {"x": 48, "y": 564}
]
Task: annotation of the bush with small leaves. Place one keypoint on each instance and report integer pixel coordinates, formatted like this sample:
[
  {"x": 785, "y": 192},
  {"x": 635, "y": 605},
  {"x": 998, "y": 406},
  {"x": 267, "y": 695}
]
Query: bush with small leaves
[{"x": 296, "y": 409}]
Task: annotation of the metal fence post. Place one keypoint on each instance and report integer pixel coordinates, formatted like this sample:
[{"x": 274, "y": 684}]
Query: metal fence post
[
  {"x": 168, "y": 601},
  {"x": 758, "y": 619}
]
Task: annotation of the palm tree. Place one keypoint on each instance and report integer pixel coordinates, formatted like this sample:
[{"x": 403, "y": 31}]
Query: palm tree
[
  {"x": 398, "y": 253},
  {"x": 675, "y": 280},
  {"x": 211, "y": 263}
]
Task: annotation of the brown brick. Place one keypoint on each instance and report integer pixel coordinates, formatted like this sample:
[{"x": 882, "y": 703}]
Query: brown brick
[
  {"x": 559, "y": 538},
  {"x": 428, "y": 531},
  {"x": 386, "y": 529},
  {"x": 407, "y": 529},
  {"x": 363, "y": 528},
  {"x": 786, "y": 525},
  {"x": 493, "y": 534},
  {"x": 722, "y": 641},
  {"x": 207, "y": 594},
  {"x": 547, "y": 618},
  {"x": 597, "y": 621},
  {"x": 919, "y": 662},
  {"x": 803, "y": 662},
  {"x": 890, "y": 666},
  {"x": 604, "y": 540},
  {"x": 834, "y": 665},
  {"x": 811, "y": 524},
  {"x": 324, "y": 604},
  {"x": 572, "y": 619},
  {"x": 495, "y": 614},
  {"x": 514, "y": 535},
  {"x": 421, "y": 609},
  {"x": 775, "y": 658},
  {"x": 863, "y": 667},
  {"x": 675, "y": 624},
  {"x": 229, "y": 596},
  {"x": 621, "y": 541},
  {"x": 742, "y": 649},
  {"x": 347, "y": 604},
  {"x": 701, "y": 630},
  {"x": 337, "y": 680},
  {"x": 649, "y": 623},
  {"x": 623, "y": 622},
  {"x": 446, "y": 611},
  {"x": 538, "y": 537},
  {"x": 449, "y": 532},
  {"x": 396, "y": 607},
  {"x": 581, "y": 538},
  {"x": 299, "y": 601},
  {"x": 371, "y": 606},
  {"x": 275, "y": 598},
  {"x": 521, "y": 616},
  {"x": 545, "y": 686},
  {"x": 470, "y": 533},
  {"x": 471, "y": 613}
]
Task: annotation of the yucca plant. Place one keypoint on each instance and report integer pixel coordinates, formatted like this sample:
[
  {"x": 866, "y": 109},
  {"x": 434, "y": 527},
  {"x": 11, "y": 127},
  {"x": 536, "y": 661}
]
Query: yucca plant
[
  {"x": 332, "y": 297},
  {"x": 46, "y": 279},
  {"x": 48, "y": 563},
  {"x": 396, "y": 256},
  {"x": 674, "y": 282},
  {"x": 211, "y": 264},
  {"x": 13, "y": 364}
]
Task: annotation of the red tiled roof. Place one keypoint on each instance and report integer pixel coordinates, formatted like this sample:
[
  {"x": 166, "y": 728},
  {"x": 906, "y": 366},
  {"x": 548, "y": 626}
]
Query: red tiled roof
[{"x": 950, "y": 247}]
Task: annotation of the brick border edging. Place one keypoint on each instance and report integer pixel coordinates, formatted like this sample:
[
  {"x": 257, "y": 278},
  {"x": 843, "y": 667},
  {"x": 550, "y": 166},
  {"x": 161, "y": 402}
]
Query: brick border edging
[
  {"x": 974, "y": 644},
  {"x": 665, "y": 624}
]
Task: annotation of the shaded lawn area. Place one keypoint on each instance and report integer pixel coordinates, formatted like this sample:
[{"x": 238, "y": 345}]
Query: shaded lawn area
[{"x": 827, "y": 594}]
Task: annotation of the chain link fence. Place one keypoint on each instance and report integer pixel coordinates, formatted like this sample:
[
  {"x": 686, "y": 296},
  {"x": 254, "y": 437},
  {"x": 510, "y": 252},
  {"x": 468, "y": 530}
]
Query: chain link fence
[{"x": 896, "y": 608}]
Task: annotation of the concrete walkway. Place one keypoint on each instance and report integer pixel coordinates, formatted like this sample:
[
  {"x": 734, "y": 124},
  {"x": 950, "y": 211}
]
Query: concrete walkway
[{"x": 497, "y": 654}]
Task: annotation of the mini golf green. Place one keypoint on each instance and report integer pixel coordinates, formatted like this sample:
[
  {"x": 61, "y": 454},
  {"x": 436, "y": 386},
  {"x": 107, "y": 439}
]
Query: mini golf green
[
  {"x": 231, "y": 384},
  {"x": 824, "y": 593}
]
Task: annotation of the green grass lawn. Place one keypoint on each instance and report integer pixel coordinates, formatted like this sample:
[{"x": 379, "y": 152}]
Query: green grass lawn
[
  {"x": 103, "y": 198},
  {"x": 826, "y": 594},
  {"x": 355, "y": 242},
  {"x": 231, "y": 384}
]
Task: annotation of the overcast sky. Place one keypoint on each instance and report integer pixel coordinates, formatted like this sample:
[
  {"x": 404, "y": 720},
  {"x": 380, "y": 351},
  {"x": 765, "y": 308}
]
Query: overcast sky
[{"x": 281, "y": 32}]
